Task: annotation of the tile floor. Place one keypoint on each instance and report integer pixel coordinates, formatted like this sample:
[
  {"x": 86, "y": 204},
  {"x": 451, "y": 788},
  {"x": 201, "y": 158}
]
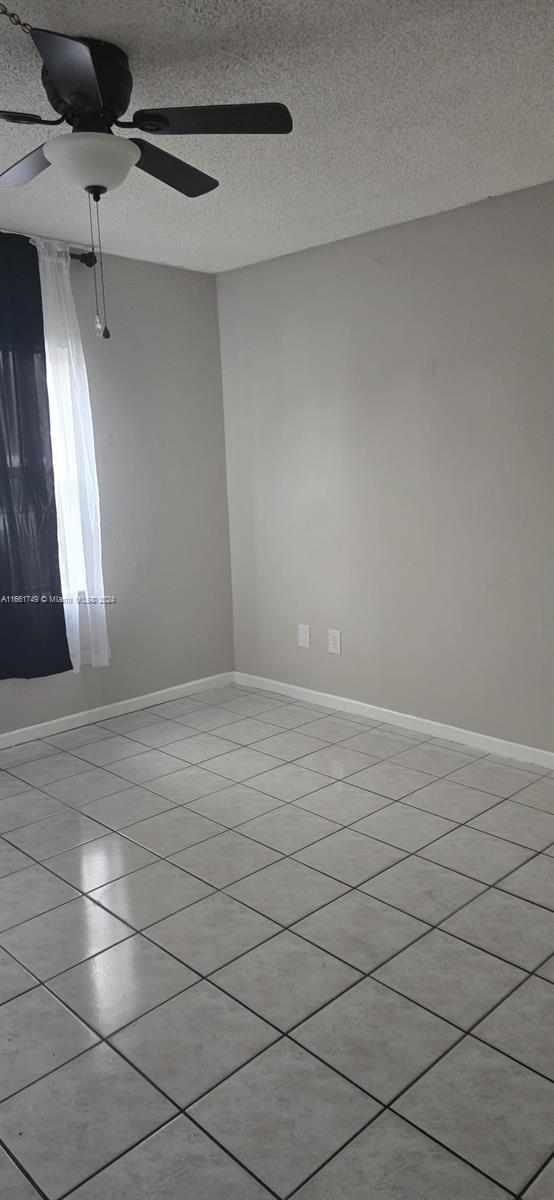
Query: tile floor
[{"x": 254, "y": 948}]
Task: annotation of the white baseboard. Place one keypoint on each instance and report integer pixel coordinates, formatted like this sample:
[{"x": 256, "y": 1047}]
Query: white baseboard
[
  {"x": 46, "y": 729},
  {"x": 468, "y": 737}
]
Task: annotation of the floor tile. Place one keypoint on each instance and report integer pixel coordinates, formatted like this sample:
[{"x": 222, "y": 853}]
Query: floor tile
[
  {"x": 413, "y": 735},
  {"x": 47, "y": 770},
  {"x": 533, "y": 881},
  {"x": 138, "y": 720},
  {"x": 285, "y": 979},
  {"x": 98, "y": 862},
  {"x": 27, "y": 893},
  {"x": 121, "y": 984},
  {"x": 543, "y": 1186},
  {"x": 26, "y": 752},
  {"x": 206, "y": 719},
  {"x": 150, "y": 894},
  {"x": 288, "y": 828},
  {"x": 127, "y": 807},
  {"x": 158, "y": 1167},
  {"x": 243, "y": 763},
  {"x": 175, "y": 709},
  {"x": 288, "y": 782},
  {"x": 13, "y": 1184},
  {"x": 102, "y": 1105},
  {"x": 11, "y": 859},
  {"x": 225, "y": 858},
  {"x": 462, "y": 747},
  {"x": 294, "y": 716},
  {"x": 455, "y": 980},
  {"x": 378, "y": 1039},
  {"x": 14, "y": 979},
  {"x": 336, "y": 761},
  {"x": 490, "y": 1110},
  {"x": 539, "y": 794},
  {"x": 390, "y": 1160},
  {"x": 108, "y": 750},
  {"x": 192, "y": 1042},
  {"x": 522, "y": 765},
  {"x": 83, "y": 736},
  {"x": 63, "y": 937},
  {"x": 233, "y": 805},
  {"x": 391, "y": 780},
  {"x": 433, "y": 759},
  {"x": 520, "y": 932},
  {"x": 342, "y": 803},
  {"x": 360, "y": 930},
  {"x": 212, "y": 932},
  {"x": 221, "y": 693},
  {"x": 476, "y": 854},
  {"x": 335, "y": 729},
  {"x": 380, "y": 743},
  {"x": 188, "y": 784},
  {"x": 423, "y": 889},
  {"x": 286, "y": 891},
  {"x": 249, "y": 730},
  {"x": 10, "y": 786},
  {"x": 523, "y": 1026},
  {"x": 350, "y": 857},
  {"x": 37, "y": 1034},
  {"x": 252, "y": 706},
  {"x": 61, "y": 832},
  {"x": 79, "y": 790},
  {"x": 518, "y": 823},
  {"x": 290, "y": 744},
  {"x": 145, "y": 765},
  {"x": 283, "y": 1115},
  {"x": 199, "y": 747},
  {"x": 160, "y": 734},
  {"x": 493, "y": 777},
  {"x": 546, "y": 971},
  {"x": 171, "y": 831},
  {"x": 27, "y": 807},
  {"x": 404, "y": 827},
  {"x": 451, "y": 800}
]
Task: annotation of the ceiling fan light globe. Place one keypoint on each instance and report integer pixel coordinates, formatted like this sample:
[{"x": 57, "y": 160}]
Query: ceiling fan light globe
[{"x": 92, "y": 160}]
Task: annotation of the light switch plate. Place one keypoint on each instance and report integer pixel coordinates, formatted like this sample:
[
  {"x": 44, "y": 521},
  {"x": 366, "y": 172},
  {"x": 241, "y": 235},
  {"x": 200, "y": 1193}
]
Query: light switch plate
[{"x": 304, "y": 636}]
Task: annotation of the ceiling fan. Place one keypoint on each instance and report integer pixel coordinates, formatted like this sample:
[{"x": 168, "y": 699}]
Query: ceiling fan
[{"x": 88, "y": 82}]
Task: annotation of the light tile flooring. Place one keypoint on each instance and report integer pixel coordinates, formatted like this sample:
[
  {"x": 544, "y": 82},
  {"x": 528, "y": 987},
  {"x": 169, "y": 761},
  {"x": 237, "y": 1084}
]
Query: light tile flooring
[{"x": 252, "y": 948}]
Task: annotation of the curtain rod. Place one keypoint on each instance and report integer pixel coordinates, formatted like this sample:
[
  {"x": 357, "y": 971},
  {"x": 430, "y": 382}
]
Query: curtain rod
[{"x": 86, "y": 257}]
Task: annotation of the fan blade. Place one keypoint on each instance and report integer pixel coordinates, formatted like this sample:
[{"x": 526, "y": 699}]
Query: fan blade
[
  {"x": 20, "y": 118},
  {"x": 216, "y": 118},
  {"x": 26, "y": 169},
  {"x": 173, "y": 171},
  {"x": 70, "y": 67}
]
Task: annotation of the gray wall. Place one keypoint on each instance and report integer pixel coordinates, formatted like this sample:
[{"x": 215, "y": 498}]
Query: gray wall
[
  {"x": 158, "y": 421},
  {"x": 388, "y": 415}
]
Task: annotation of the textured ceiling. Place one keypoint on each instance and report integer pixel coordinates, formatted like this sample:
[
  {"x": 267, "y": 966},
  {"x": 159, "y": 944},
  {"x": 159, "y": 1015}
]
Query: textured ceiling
[{"x": 401, "y": 107}]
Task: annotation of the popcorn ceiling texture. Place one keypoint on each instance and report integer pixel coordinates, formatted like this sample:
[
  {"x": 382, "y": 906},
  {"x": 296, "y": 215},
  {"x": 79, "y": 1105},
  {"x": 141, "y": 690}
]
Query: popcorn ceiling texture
[{"x": 402, "y": 108}]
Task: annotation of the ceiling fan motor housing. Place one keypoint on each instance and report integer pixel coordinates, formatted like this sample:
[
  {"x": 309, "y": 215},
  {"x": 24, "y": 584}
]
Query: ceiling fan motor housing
[{"x": 116, "y": 84}]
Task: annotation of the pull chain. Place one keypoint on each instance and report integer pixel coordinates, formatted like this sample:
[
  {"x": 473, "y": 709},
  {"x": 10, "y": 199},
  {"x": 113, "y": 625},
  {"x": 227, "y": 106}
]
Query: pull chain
[
  {"x": 105, "y": 331},
  {"x": 97, "y": 321},
  {"x": 15, "y": 19}
]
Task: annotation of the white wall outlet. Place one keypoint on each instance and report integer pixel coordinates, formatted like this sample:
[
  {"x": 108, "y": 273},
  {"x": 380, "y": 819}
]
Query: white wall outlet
[
  {"x": 304, "y": 636},
  {"x": 334, "y": 643}
]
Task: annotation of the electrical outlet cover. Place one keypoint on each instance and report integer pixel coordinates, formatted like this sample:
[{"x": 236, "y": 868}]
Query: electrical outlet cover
[{"x": 334, "y": 643}]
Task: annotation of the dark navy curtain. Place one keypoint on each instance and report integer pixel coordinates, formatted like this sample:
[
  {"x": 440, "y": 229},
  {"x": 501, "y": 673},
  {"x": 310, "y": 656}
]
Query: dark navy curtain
[{"x": 32, "y": 625}]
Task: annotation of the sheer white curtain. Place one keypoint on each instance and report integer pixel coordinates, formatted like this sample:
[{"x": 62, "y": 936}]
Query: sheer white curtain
[{"x": 75, "y": 480}]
